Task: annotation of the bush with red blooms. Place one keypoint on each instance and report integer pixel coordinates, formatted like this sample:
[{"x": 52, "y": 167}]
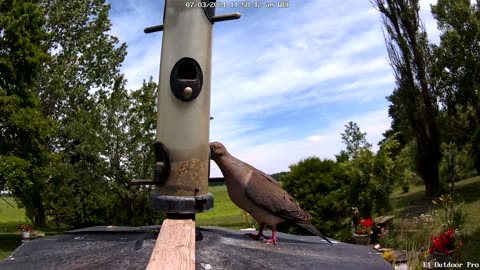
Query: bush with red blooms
[
  {"x": 364, "y": 226},
  {"x": 443, "y": 243},
  {"x": 25, "y": 228}
]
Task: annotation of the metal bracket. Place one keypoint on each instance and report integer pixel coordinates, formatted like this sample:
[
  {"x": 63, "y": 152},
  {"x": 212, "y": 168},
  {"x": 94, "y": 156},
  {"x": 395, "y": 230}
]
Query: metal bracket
[{"x": 219, "y": 18}]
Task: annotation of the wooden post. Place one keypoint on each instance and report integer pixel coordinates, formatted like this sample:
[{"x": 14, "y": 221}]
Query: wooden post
[{"x": 175, "y": 246}]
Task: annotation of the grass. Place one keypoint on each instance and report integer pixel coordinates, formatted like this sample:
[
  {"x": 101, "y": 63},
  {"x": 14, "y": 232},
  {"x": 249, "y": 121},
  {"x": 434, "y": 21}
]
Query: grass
[
  {"x": 11, "y": 218},
  {"x": 414, "y": 203},
  {"x": 224, "y": 214}
]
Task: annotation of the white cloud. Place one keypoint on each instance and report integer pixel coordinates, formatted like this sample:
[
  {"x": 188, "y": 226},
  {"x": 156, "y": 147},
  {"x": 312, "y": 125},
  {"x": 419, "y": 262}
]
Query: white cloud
[
  {"x": 278, "y": 155},
  {"x": 284, "y": 81}
]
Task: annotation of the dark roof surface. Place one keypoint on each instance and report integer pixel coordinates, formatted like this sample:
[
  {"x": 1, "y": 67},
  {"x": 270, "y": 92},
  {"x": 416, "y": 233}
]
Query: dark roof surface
[{"x": 219, "y": 249}]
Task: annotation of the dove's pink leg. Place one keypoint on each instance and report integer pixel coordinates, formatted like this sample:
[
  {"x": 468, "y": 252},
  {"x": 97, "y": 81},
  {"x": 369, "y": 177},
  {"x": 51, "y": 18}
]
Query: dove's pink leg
[
  {"x": 260, "y": 233},
  {"x": 274, "y": 239}
]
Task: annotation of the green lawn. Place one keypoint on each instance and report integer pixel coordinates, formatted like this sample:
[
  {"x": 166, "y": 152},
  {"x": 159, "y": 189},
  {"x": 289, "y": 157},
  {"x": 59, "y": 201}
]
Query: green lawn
[
  {"x": 224, "y": 213},
  {"x": 10, "y": 219},
  {"x": 415, "y": 203}
]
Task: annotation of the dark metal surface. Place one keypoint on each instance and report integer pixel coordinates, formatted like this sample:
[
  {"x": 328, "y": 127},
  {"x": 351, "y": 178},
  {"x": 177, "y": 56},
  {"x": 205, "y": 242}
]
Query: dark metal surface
[
  {"x": 181, "y": 204},
  {"x": 227, "y": 17},
  {"x": 216, "y": 248},
  {"x": 152, "y": 29}
]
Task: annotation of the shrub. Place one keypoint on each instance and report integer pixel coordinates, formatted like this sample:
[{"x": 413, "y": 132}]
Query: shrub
[
  {"x": 456, "y": 164},
  {"x": 371, "y": 178},
  {"x": 329, "y": 190},
  {"x": 319, "y": 186}
]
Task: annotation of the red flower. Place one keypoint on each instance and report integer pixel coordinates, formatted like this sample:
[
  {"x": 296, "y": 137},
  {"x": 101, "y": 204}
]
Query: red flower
[
  {"x": 364, "y": 226},
  {"x": 25, "y": 228},
  {"x": 367, "y": 222},
  {"x": 443, "y": 243}
]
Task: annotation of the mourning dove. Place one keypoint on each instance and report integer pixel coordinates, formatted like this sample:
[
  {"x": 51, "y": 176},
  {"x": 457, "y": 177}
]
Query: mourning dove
[{"x": 260, "y": 195}]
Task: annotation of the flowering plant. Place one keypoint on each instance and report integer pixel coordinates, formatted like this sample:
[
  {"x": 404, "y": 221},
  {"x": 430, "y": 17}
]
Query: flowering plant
[
  {"x": 443, "y": 243},
  {"x": 364, "y": 226},
  {"x": 25, "y": 228}
]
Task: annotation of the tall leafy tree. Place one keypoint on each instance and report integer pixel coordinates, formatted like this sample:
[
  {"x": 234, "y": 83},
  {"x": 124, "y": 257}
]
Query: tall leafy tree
[
  {"x": 354, "y": 140},
  {"x": 121, "y": 132},
  {"x": 84, "y": 59},
  {"x": 77, "y": 192},
  {"x": 85, "y": 56},
  {"x": 128, "y": 132},
  {"x": 457, "y": 69},
  {"x": 24, "y": 130},
  {"x": 414, "y": 101}
]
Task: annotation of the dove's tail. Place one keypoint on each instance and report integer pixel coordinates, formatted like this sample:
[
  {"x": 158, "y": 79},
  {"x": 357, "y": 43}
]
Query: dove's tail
[{"x": 313, "y": 230}]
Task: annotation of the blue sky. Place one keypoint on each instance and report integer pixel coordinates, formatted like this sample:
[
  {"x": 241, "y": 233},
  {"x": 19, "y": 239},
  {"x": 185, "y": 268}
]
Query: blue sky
[{"x": 285, "y": 81}]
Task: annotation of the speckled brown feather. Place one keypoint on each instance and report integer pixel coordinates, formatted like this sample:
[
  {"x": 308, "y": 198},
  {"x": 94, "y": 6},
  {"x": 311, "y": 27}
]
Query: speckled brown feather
[{"x": 265, "y": 192}]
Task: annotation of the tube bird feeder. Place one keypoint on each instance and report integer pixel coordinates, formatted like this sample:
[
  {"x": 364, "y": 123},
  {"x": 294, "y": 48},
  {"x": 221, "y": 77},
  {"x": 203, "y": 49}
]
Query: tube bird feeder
[{"x": 182, "y": 153}]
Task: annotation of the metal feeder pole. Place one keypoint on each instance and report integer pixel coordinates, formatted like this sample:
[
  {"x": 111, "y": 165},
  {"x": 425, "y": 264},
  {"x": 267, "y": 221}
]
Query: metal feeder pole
[{"x": 182, "y": 152}]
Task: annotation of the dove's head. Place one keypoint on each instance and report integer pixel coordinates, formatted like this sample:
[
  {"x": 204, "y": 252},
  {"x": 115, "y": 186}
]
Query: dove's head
[{"x": 217, "y": 150}]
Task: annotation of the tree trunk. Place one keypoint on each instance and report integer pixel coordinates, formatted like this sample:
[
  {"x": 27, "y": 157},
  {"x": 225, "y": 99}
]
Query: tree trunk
[
  {"x": 431, "y": 179},
  {"x": 429, "y": 163},
  {"x": 38, "y": 211}
]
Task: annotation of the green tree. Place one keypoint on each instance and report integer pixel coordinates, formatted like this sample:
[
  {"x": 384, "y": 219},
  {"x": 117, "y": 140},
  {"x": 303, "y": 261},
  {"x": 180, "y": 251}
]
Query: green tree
[
  {"x": 120, "y": 130},
  {"x": 414, "y": 102},
  {"x": 457, "y": 69},
  {"x": 455, "y": 166},
  {"x": 77, "y": 192},
  {"x": 319, "y": 186},
  {"x": 278, "y": 176},
  {"x": 329, "y": 190},
  {"x": 371, "y": 176},
  {"x": 128, "y": 132},
  {"x": 354, "y": 140},
  {"x": 342, "y": 156},
  {"x": 24, "y": 131},
  {"x": 84, "y": 59}
]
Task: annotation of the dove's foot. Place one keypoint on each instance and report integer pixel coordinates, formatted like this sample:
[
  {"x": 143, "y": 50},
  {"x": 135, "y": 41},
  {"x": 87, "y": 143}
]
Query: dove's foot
[
  {"x": 274, "y": 239},
  {"x": 260, "y": 233}
]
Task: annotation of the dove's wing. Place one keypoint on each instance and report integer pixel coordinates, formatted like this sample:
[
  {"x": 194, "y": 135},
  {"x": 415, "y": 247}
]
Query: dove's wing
[{"x": 266, "y": 193}]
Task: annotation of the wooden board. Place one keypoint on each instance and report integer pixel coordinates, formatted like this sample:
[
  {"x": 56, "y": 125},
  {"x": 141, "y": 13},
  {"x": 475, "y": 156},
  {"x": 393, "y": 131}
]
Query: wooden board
[{"x": 175, "y": 246}]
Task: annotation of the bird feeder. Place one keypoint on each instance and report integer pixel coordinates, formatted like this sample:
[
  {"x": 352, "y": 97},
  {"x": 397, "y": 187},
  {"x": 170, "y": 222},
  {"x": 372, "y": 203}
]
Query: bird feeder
[{"x": 182, "y": 153}]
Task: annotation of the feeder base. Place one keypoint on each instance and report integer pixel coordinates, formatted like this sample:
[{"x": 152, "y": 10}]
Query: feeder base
[{"x": 181, "y": 204}]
